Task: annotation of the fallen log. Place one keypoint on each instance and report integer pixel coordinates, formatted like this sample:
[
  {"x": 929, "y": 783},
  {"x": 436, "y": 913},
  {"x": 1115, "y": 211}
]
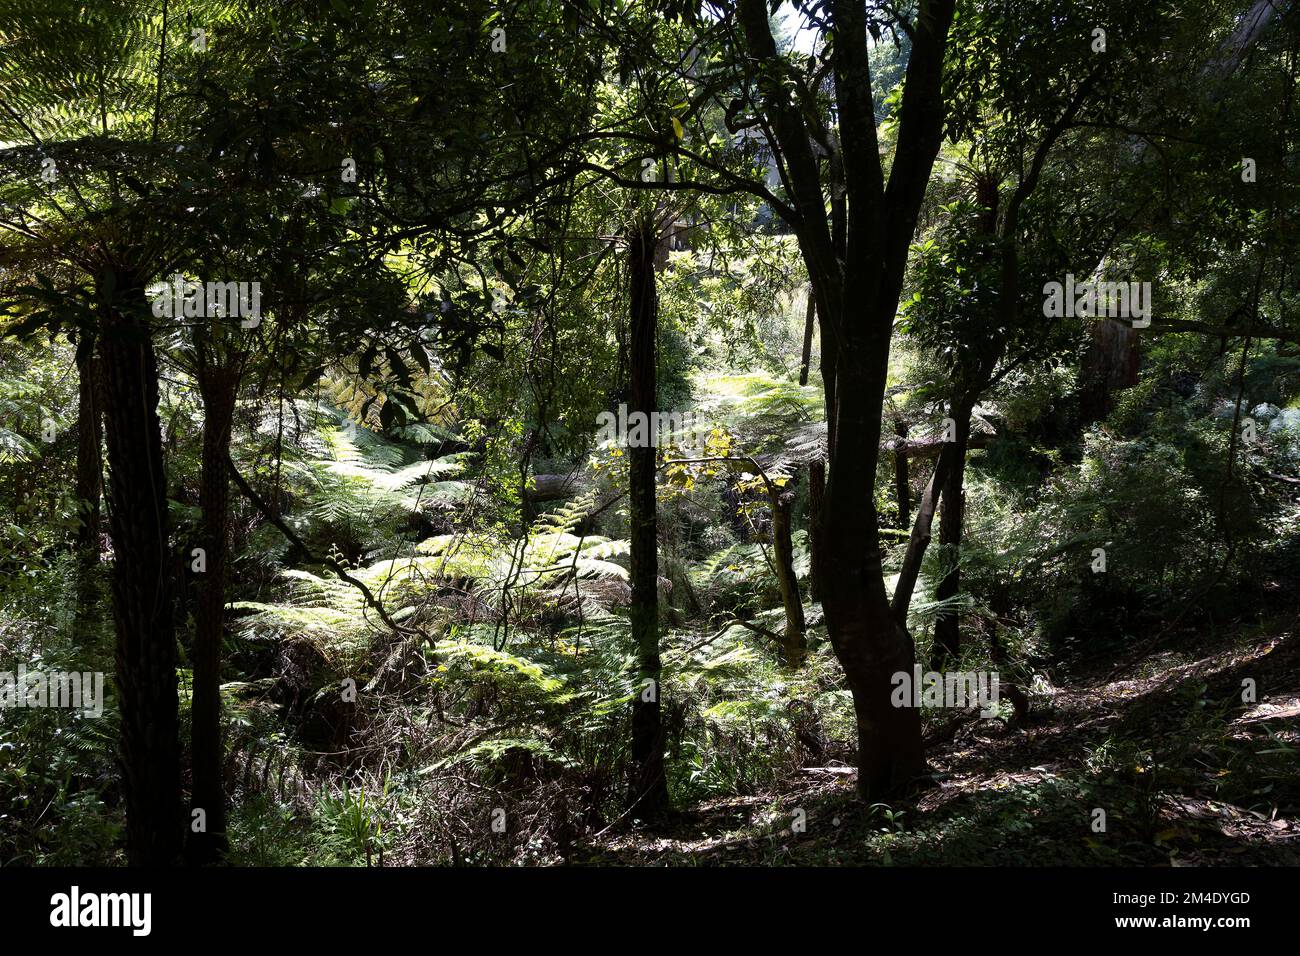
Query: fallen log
[
  {"x": 929, "y": 447},
  {"x": 552, "y": 487}
]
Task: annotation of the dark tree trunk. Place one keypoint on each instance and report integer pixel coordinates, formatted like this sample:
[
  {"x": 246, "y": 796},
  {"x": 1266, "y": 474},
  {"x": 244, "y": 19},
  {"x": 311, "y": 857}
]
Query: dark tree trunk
[
  {"x": 869, "y": 643},
  {"x": 649, "y": 794},
  {"x": 902, "y": 479},
  {"x": 856, "y": 264},
  {"x": 218, "y": 387},
  {"x": 142, "y": 585},
  {"x": 1110, "y": 365},
  {"x": 809, "y": 324},
  {"x": 816, "y": 501},
  {"x": 794, "y": 644},
  {"x": 947, "y": 627},
  {"x": 89, "y": 481}
]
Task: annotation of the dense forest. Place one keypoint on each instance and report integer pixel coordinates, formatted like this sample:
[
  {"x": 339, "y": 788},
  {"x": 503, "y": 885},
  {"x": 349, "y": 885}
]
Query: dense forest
[{"x": 649, "y": 432}]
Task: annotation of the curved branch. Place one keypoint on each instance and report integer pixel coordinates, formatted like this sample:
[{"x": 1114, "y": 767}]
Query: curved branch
[{"x": 313, "y": 558}]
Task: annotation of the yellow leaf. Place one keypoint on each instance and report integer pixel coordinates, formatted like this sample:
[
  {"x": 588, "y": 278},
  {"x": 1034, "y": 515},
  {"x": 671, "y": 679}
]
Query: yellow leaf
[{"x": 677, "y": 128}]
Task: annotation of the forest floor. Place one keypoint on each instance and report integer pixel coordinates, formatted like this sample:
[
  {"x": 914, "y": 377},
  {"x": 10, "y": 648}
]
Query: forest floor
[{"x": 1185, "y": 771}]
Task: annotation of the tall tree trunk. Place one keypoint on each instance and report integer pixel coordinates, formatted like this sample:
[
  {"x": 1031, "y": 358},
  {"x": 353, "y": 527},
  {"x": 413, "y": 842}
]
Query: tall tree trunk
[
  {"x": 649, "y": 793},
  {"x": 142, "y": 586},
  {"x": 89, "y": 481},
  {"x": 794, "y": 644},
  {"x": 218, "y": 386},
  {"x": 816, "y": 497},
  {"x": 870, "y": 644},
  {"x": 858, "y": 282},
  {"x": 947, "y": 627}
]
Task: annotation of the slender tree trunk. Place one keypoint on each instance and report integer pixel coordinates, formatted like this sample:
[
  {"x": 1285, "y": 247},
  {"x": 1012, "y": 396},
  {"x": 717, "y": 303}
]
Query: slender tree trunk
[
  {"x": 218, "y": 387},
  {"x": 794, "y": 645},
  {"x": 89, "y": 481},
  {"x": 816, "y": 501},
  {"x": 902, "y": 479},
  {"x": 947, "y": 628},
  {"x": 142, "y": 586},
  {"x": 919, "y": 541},
  {"x": 649, "y": 793},
  {"x": 809, "y": 324}
]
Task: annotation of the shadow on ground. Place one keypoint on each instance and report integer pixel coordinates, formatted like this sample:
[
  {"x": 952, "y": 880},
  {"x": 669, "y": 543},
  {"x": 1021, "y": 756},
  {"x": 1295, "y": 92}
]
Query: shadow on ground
[{"x": 1184, "y": 770}]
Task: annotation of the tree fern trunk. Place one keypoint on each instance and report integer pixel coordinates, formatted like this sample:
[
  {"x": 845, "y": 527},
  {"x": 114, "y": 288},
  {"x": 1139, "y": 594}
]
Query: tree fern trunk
[
  {"x": 947, "y": 628},
  {"x": 142, "y": 586},
  {"x": 218, "y": 387},
  {"x": 794, "y": 643},
  {"x": 649, "y": 793}
]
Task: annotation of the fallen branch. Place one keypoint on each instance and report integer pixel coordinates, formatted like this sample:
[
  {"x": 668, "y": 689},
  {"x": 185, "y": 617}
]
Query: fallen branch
[{"x": 929, "y": 447}]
